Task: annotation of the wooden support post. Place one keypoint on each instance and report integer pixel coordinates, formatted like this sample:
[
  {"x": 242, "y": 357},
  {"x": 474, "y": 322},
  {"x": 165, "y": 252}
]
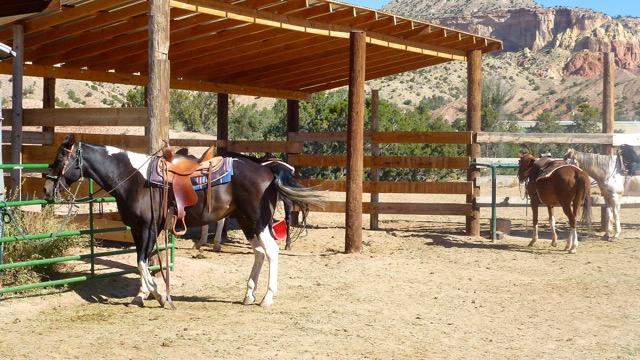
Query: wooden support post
[
  {"x": 159, "y": 75},
  {"x": 608, "y": 108},
  {"x": 223, "y": 119},
  {"x": 608, "y": 98},
  {"x": 293, "y": 126},
  {"x": 474, "y": 104},
  {"x": 49, "y": 99},
  {"x": 355, "y": 142},
  {"x": 375, "y": 151},
  {"x": 16, "y": 120}
]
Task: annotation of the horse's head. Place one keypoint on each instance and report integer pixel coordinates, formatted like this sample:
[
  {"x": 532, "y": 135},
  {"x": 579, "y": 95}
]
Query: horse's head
[
  {"x": 570, "y": 157},
  {"x": 524, "y": 165},
  {"x": 65, "y": 168}
]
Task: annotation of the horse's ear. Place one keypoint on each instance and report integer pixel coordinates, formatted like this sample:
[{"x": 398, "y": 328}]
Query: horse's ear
[{"x": 68, "y": 142}]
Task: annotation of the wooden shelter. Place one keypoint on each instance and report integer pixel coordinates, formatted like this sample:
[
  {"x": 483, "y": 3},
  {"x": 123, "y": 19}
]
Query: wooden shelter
[{"x": 274, "y": 48}]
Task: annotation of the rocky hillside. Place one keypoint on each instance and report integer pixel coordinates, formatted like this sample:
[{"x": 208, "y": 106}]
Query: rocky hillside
[{"x": 551, "y": 57}]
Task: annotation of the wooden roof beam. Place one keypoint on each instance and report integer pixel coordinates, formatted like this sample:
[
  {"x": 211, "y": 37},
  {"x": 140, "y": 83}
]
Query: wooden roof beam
[
  {"x": 191, "y": 48},
  {"x": 101, "y": 19},
  {"x": 378, "y": 74},
  {"x": 302, "y": 25},
  {"x": 251, "y": 50},
  {"x": 335, "y": 66},
  {"x": 267, "y": 65},
  {"x": 65, "y": 15},
  {"x": 375, "y": 60},
  {"x": 135, "y": 48},
  {"x": 141, "y": 80}
]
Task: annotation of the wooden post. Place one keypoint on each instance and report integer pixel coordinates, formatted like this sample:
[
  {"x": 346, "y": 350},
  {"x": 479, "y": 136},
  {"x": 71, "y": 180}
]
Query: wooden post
[
  {"x": 355, "y": 142},
  {"x": 16, "y": 120},
  {"x": 375, "y": 151},
  {"x": 608, "y": 98},
  {"x": 159, "y": 75},
  {"x": 223, "y": 118},
  {"x": 49, "y": 99},
  {"x": 608, "y": 105},
  {"x": 293, "y": 125},
  {"x": 474, "y": 104}
]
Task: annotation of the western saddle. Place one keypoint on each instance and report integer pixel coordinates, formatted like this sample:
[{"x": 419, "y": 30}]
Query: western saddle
[{"x": 177, "y": 172}]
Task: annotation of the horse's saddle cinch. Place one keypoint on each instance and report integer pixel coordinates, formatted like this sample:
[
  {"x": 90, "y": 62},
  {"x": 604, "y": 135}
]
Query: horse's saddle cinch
[
  {"x": 545, "y": 166},
  {"x": 184, "y": 175}
]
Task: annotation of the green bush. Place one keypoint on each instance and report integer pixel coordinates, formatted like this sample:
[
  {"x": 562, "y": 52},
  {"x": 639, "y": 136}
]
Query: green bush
[{"x": 33, "y": 222}]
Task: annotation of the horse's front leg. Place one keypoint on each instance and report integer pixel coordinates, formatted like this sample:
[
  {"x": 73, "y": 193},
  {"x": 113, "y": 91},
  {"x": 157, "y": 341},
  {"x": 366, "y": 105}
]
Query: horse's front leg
[
  {"x": 145, "y": 240},
  {"x": 272, "y": 252},
  {"x": 552, "y": 220},
  {"x": 534, "y": 213},
  {"x": 616, "y": 217}
]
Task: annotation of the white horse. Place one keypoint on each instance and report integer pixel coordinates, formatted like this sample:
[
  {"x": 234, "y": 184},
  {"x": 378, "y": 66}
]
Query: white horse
[{"x": 608, "y": 172}]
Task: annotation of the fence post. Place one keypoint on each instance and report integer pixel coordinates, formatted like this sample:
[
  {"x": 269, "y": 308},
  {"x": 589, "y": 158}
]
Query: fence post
[
  {"x": 608, "y": 105},
  {"x": 16, "y": 121},
  {"x": 293, "y": 126},
  {"x": 375, "y": 151},
  {"x": 157, "y": 94},
  {"x": 474, "y": 100},
  {"x": 222, "y": 126},
  {"x": 355, "y": 142}
]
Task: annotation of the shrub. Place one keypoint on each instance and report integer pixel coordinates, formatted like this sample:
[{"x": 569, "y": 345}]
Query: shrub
[{"x": 31, "y": 222}]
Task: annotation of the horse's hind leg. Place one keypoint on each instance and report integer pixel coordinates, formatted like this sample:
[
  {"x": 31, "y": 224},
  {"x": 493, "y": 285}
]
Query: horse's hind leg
[
  {"x": 616, "y": 216},
  {"x": 272, "y": 252},
  {"x": 572, "y": 242},
  {"x": 287, "y": 216},
  {"x": 252, "y": 283},
  {"x": 552, "y": 220}
]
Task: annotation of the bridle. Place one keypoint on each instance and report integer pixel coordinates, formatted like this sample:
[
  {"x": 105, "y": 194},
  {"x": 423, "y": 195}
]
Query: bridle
[{"x": 66, "y": 166}]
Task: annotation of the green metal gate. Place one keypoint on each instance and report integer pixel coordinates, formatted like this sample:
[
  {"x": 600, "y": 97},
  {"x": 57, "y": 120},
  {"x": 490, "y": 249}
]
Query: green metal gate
[{"x": 91, "y": 231}]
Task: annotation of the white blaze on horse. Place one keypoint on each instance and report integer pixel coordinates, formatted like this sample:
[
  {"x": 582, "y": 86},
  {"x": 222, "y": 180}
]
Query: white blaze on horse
[
  {"x": 249, "y": 194},
  {"x": 555, "y": 183},
  {"x": 609, "y": 172}
]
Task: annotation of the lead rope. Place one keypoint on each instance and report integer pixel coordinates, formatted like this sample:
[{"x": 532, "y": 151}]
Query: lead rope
[{"x": 165, "y": 210}]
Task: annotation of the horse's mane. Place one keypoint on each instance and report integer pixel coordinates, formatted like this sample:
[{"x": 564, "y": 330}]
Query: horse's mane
[{"x": 595, "y": 162}]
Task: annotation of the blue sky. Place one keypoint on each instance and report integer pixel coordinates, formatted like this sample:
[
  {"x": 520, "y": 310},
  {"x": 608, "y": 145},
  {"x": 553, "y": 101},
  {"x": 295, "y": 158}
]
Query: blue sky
[{"x": 611, "y": 7}]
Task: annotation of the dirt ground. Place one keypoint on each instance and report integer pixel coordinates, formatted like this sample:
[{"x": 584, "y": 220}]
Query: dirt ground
[{"x": 419, "y": 290}]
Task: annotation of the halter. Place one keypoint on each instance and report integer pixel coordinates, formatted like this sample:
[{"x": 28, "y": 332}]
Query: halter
[{"x": 65, "y": 168}]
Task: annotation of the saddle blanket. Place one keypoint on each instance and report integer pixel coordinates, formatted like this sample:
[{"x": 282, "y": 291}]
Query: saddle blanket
[
  {"x": 551, "y": 168},
  {"x": 221, "y": 175}
]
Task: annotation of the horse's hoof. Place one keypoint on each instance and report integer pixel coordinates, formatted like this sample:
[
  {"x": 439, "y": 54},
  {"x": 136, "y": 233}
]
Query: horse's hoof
[
  {"x": 554, "y": 244},
  {"x": 572, "y": 251},
  {"x": 249, "y": 300},
  {"x": 287, "y": 247},
  {"x": 531, "y": 243},
  {"x": 267, "y": 301},
  {"x": 136, "y": 302},
  {"x": 217, "y": 248}
]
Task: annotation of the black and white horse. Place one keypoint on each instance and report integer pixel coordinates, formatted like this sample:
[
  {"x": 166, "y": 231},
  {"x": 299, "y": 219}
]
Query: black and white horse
[
  {"x": 279, "y": 169},
  {"x": 250, "y": 197}
]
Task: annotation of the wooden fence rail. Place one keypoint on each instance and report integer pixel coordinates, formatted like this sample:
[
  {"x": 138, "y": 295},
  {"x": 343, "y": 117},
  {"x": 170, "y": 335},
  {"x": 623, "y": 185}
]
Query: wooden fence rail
[
  {"x": 391, "y": 137},
  {"x": 400, "y": 187},
  {"x": 558, "y": 138},
  {"x": 403, "y": 162}
]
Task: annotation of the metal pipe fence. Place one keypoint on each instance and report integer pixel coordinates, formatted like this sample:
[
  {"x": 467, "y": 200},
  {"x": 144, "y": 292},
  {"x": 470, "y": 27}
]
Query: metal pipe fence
[{"x": 91, "y": 231}]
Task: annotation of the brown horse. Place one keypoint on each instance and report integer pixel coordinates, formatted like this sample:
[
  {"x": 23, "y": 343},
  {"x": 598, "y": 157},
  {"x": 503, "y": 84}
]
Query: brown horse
[{"x": 556, "y": 183}]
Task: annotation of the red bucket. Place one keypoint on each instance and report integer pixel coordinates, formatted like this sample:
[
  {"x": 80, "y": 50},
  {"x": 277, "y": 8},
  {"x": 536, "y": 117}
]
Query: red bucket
[{"x": 279, "y": 230}]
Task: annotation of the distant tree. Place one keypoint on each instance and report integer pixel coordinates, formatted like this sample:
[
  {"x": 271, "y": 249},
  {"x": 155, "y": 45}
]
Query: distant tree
[{"x": 547, "y": 122}]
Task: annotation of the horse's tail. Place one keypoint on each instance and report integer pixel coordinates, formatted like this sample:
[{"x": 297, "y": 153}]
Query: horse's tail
[
  {"x": 586, "y": 206},
  {"x": 301, "y": 197}
]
